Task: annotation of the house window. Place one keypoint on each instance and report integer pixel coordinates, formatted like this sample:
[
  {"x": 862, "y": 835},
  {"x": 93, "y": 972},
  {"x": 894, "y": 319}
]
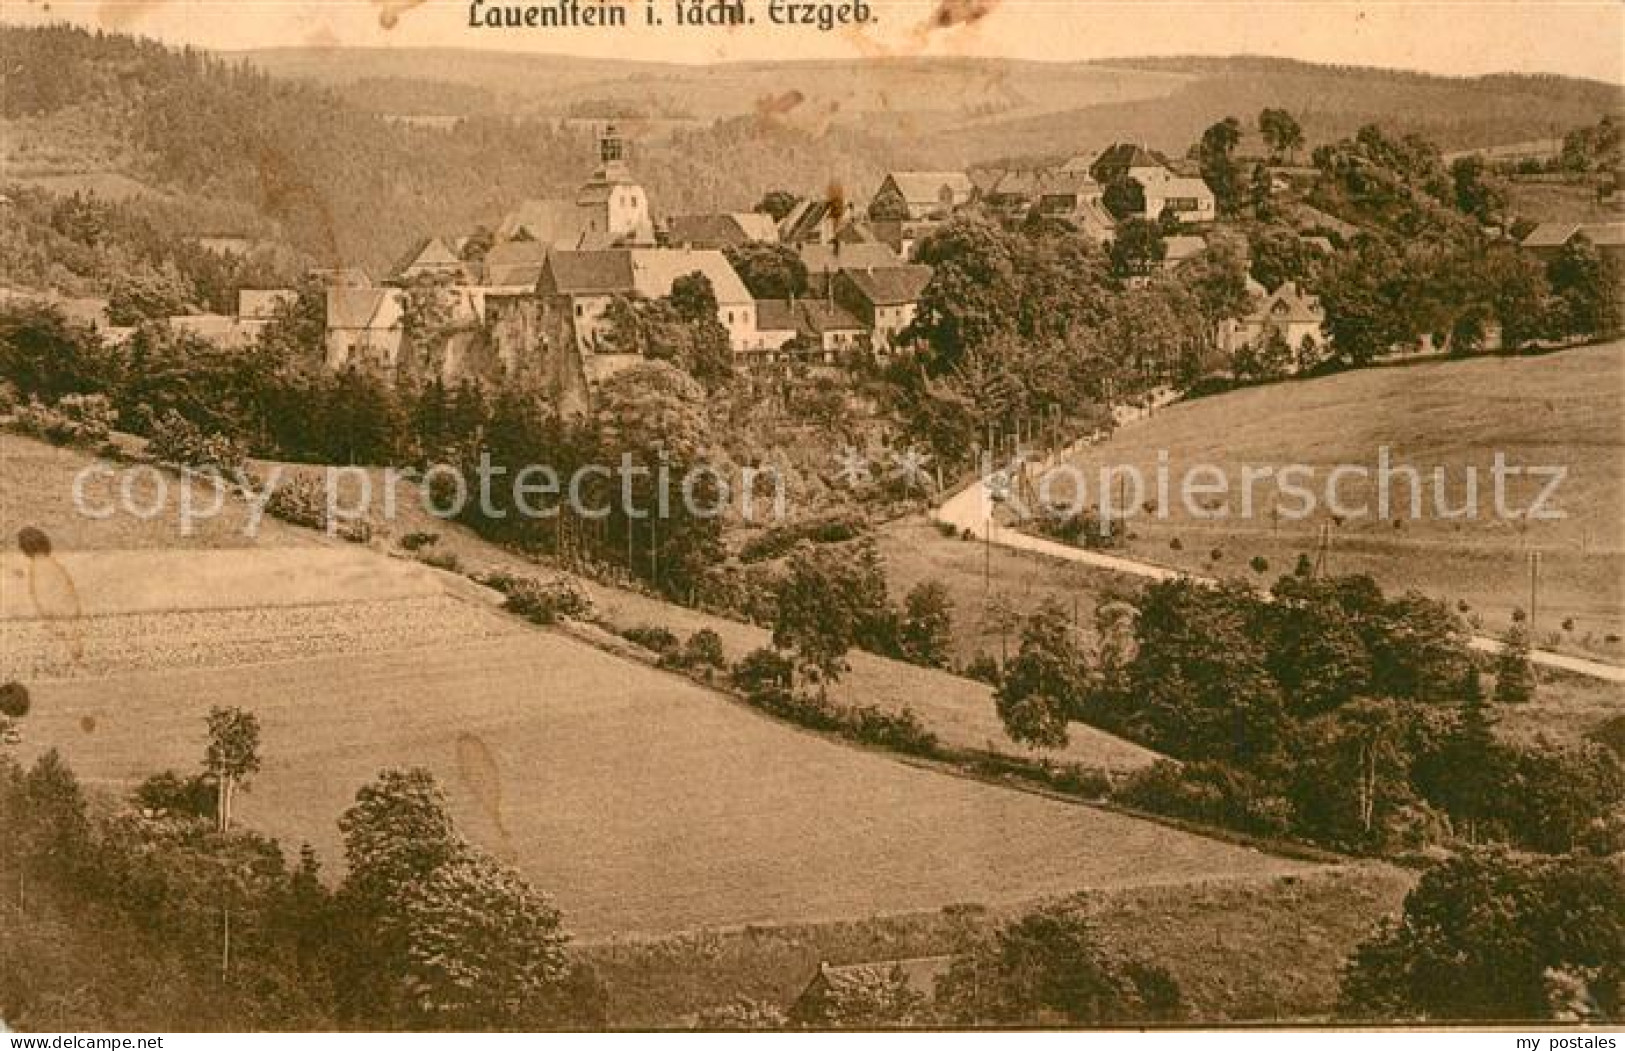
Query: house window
[{"x": 581, "y": 310}]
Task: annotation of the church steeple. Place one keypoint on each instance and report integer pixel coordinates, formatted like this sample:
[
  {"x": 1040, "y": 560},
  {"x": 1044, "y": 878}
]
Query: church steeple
[{"x": 611, "y": 147}]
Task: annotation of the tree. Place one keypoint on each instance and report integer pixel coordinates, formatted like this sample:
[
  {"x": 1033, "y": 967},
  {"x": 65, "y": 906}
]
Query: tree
[
  {"x": 397, "y": 836},
  {"x": 1482, "y": 936},
  {"x": 146, "y": 294},
  {"x": 1044, "y": 684},
  {"x": 1281, "y": 132},
  {"x": 47, "y": 356},
  {"x": 1587, "y": 283},
  {"x": 973, "y": 294},
  {"x": 1514, "y": 675},
  {"x": 827, "y": 603},
  {"x": 1049, "y": 967},
  {"x": 926, "y": 632},
  {"x": 233, "y": 755},
  {"x": 778, "y": 204},
  {"x": 1124, "y": 198},
  {"x": 1215, "y": 153},
  {"x": 1137, "y": 249},
  {"x": 1465, "y": 774},
  {"x": 769, "y": 271},
  {"x": 437, "y": 933},
  {"x": 1200, "y": 675},
  {"x": 1473, "y": 195},
  {"x": 483, "y": 949}
]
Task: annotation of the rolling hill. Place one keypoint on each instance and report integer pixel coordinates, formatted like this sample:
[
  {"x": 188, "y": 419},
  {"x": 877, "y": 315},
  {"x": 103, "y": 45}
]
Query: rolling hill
[
  {"x": 310, "y": 142},
  {"x": 1561, "y": 410}
]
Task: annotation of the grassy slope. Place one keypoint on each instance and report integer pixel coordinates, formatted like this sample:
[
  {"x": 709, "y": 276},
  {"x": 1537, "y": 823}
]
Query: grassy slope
[
  {"x": 1264, "y": 949},
  {"x": 644, "y": 803},
  {"x": 732, "y": 818},
  {"x": 1561, "y": 409}
]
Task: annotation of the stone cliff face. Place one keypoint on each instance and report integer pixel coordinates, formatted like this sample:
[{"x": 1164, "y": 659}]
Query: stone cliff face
[{"x": 535, "y": 338}]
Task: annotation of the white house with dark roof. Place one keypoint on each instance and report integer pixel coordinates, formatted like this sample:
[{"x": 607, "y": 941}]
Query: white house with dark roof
[
  {"x": 923, "y": 196},
  {"x": 364, "y": 328},
  {"x": 1291, "y": 311},
  {"x": 583, "y": 284},
  {"x": 885, "y": 299}
]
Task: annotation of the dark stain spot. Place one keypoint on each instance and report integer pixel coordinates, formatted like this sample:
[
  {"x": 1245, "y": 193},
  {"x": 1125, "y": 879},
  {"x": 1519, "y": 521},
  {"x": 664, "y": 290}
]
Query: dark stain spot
[
  {"x": 835, "y": 198},
  {"x": 778, "y": 105},
  {"x": 33, "y": 542},
  {"x": 14, "y": 700},
  {"x": 950, "y": 13},
  {"x": 87, "y": 723},
  {"x": 390, "y": 16}
]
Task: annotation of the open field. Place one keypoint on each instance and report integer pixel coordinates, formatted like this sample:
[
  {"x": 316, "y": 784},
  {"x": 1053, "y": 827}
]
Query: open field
[
  {"x": 1224, "y": 941},
  {"x": 991, "y": 589},
  {"x": 645, "y": 804},
  {"x": 37, "y": 480},
  {"x": 1563, "y": 409},
  {"x": 959, "y": 711}
]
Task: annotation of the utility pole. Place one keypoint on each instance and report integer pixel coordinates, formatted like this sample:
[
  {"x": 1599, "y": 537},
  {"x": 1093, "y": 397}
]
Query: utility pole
[{"x": 1534, "y": 590}]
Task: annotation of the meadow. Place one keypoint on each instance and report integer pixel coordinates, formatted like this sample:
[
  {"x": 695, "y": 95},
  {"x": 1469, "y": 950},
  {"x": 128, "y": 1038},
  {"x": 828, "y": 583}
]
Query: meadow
[
  {"x": 643, "y": 803},
  {"x": 1562, "y": 409}
]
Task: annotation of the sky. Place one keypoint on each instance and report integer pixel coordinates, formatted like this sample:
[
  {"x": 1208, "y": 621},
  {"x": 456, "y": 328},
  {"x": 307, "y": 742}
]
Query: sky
[{"x": 1576, "y": 37}]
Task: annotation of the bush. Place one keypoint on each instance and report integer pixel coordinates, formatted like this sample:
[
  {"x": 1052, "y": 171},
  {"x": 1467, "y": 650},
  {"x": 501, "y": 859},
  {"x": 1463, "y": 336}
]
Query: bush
[
  {"x": 1260, "y": 564},
  {"x": 169, "y": 793},
  {"x": 763, "y": 670},
  {"x": 300, "y": 500},
  {"x": 76, "y": 419},
  {"x": 781, "y": 540},
  {"x": 546, "y": 601},
  {"x": 985, "y": 668},
  {"x": 1209, "y": 793},
  {"x": 654, "y": 639},
  {"x": 704, "y": 651},
  {"x": 898, "y": 731},
  {"x": 446, "y": 560},
  {"x": 419, "y": 541},
  {"x": 178, "y": 442}
]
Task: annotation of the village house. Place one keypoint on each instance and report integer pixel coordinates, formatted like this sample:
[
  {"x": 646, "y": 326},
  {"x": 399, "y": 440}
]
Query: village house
[
  {"x": 1186, "y": 197},
  {"x": 884, "y": 299},
  {"x": 1181, "y": 249},
  {"x": 581, "y": 285},
  {"x": 1127, "y": 160},
  {"x": 1548, "y": 240},
  {"x": 807, "y": 329},
  {"x": 922, "y": 197},
  {"x": 719, "y": 231},
  {"x": 513, "y": 265},
  {"x": 429, "y": 259},
  {"x": 824, "y": 261},
  {"x": 1290, "y": 311},
  {"x": 1068, "y": 196},
  {"x": 364, "y": 329}
]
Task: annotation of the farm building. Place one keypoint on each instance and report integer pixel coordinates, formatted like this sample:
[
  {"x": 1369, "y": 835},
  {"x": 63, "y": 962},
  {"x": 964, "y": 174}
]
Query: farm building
[
  {"x": 1549, "y": 239},
  {"x": 834, "y": 991}
]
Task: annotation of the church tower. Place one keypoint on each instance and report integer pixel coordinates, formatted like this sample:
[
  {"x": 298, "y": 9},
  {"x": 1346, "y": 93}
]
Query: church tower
[{"x": 616, "y": 207}]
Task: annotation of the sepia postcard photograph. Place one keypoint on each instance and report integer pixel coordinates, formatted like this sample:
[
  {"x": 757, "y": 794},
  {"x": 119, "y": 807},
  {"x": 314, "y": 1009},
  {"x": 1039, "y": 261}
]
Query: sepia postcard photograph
[{"x": 841, "y": 517}]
